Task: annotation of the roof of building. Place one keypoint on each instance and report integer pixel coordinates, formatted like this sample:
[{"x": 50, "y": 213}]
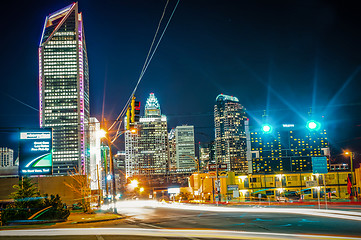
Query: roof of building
[{"x": 223, "y": 97}]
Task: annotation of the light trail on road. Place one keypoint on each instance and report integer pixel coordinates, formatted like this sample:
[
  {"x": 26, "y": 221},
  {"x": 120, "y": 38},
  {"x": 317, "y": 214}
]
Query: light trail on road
[
  {"x": 145, "y": 232},
  {"x": 130, "y": 206}
]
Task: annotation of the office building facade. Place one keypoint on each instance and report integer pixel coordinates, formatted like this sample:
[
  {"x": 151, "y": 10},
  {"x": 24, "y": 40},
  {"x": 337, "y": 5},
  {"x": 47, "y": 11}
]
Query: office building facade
[
  {"x": 64, "y": 89},
  {"x": 185, "y": 152},
  {"x": 147, "y": 149},
  {"x": 287, "y": 148},
  {"x": 172, "y": 151},
  {"x": 6, "y": 157},
  {"x": 230, "y": 133}
]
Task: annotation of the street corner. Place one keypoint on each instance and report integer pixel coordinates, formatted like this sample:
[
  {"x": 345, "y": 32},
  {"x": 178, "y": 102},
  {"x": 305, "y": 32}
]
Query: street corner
[{"x": 97, "y": 216}]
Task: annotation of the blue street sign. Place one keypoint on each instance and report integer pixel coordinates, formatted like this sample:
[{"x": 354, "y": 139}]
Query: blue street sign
[
  {"x": 35, "y": 152},
  {"x": 319, "y": 165}
]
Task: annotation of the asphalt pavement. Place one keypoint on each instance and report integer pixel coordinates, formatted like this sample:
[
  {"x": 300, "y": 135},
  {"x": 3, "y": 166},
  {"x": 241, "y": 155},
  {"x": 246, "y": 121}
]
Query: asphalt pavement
[{"x": 149, "y": 220}]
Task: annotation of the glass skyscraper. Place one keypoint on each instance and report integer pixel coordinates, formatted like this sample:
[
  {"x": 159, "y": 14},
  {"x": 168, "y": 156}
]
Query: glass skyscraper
[
  {"x": 64, "y": 89},
  {"x": 185, "y": 152},
  {"x": 230, "y": 133},
  {"x": 147, "y": 150}
]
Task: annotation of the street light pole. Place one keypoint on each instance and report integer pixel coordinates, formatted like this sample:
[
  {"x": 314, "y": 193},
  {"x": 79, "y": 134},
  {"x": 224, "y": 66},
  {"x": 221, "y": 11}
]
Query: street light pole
[
  {"x": 105, "y": 173},
  {"x": 351, "y": 168},
  {"x": 99, "y": 190},
  {"x": 111, "y": 170}
]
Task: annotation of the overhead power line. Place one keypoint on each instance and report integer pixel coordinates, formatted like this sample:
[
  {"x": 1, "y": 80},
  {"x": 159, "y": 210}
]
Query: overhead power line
[{"x": 148, "y": 59}]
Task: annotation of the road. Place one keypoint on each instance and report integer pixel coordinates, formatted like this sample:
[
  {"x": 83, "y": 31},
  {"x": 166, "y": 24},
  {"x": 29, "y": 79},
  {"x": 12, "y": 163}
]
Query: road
[
  {"x": 144, "y": 218},
  {"x": 247, "y": 219}
]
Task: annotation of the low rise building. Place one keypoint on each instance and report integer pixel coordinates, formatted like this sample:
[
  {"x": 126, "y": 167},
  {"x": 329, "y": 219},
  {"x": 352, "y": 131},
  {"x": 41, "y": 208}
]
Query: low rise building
[{"x": 271, "y": 187}]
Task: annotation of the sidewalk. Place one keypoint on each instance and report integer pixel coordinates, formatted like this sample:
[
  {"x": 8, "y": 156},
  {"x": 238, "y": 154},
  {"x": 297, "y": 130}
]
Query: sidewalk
[
  {"x": 74, "y": 218},
  {"x": 98, "y": 216}
]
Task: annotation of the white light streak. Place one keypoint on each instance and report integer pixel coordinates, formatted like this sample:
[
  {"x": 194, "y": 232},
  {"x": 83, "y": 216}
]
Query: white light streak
[{"x": 183, "y": 233}]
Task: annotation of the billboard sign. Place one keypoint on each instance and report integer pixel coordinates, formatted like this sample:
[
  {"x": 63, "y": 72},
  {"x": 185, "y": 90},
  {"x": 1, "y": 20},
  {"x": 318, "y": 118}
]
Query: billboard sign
[
  {"x": 35, "y": 152},
  {"x": 319, "y": 165}
]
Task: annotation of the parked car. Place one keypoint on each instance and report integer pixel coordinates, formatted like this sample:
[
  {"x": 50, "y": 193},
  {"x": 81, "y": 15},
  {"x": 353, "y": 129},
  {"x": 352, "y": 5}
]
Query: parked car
[{"x": 288, "y": 196}]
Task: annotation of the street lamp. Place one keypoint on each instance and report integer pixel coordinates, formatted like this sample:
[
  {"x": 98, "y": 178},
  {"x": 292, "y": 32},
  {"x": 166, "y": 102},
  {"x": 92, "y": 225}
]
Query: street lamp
[
  {"x": 134, "y": 183},
  {"x": 266, "y": 128},
  {"x": 351, "y": 154},
  {"x": 313, "y": 125},
  {"x": 101, "y": 133}
]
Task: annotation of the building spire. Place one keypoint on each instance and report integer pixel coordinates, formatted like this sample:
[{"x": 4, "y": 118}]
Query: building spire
[{"x": 152, "y": 107}]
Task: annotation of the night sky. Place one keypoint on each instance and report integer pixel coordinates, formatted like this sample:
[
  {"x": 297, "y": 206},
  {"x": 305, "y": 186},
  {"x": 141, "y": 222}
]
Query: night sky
[{"x": 279, "y": 56}]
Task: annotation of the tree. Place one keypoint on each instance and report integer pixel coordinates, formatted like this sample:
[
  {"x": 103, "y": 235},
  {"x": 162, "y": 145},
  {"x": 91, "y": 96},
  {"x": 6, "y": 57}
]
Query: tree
[
  {"x": 27, "y": 200},
  {"x": 81, "y": 187}
]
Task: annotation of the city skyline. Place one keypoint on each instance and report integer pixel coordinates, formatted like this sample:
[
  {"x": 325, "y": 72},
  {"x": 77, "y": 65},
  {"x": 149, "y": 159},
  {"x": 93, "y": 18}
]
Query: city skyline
[
  {"x": 247, "y": 62},
  {"x": 185, "y": 119}
]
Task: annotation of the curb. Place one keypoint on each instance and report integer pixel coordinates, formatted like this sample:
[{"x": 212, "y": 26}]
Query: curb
[
  {"x": 27, "y": 222},
  {"x": 99, "y": 220}
]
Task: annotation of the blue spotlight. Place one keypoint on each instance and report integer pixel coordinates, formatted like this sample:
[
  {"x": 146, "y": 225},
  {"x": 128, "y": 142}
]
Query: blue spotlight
[
  {"x": 313, "y": 125},
  {"x": 267, "y": 128}
]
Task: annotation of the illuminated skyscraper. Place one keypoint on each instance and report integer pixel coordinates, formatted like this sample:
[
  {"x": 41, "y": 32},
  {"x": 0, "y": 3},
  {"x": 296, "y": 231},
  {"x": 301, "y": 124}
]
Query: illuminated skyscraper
[
  {"x": 172, "y": 150},
  {"x": 286, "y": 148},
  {"x": 230, "y": 136},
  {"x": 64, "y": 88},
  {"x": 185, "y": 152},
  {"x": 147, "y": 149}
]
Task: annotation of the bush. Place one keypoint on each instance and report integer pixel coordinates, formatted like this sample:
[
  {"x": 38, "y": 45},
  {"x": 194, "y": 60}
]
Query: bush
[
  {"x": 58, "y": 209},
  {"x": 27, "y": 201}
]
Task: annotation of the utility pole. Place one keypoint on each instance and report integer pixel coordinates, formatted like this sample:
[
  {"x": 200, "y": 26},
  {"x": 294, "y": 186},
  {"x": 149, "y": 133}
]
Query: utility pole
[
  {"x": 111, "y": 170},
  {"x": 100, "y": 192},
  {"x": 218, "y": 183},
  {"x": 106, "y": 173},
  {"x": 352, "y": 178}
]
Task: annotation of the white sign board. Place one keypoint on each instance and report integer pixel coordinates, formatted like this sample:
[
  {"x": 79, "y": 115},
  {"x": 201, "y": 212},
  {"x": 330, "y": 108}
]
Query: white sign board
[
  {"x": 235, "y": 194},
  {"x": 311, "y": 183}
]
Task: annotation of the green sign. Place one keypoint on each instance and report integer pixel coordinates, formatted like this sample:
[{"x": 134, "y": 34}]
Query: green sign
[{"x": 319, "y": 165}]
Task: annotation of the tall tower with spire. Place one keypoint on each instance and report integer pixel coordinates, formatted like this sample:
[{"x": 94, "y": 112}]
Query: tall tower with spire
[
  {"x": 147, "y": 150},
  {"x": 152, "y": 107},
  {"x": 64, "y": 89}
]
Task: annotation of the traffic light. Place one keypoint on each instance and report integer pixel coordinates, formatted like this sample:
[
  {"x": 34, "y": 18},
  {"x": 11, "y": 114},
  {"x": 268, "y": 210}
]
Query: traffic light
[
  {"x": 128, "y": 119},
  {"x": 134, "y": 110}
]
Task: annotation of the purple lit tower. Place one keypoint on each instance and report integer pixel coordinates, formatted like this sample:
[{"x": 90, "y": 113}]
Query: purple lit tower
[{"x": 64, "y": 89}]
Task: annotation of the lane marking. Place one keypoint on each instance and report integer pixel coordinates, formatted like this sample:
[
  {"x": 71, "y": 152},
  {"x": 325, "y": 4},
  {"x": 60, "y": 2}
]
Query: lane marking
[{"x": 99, "y": 237}]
